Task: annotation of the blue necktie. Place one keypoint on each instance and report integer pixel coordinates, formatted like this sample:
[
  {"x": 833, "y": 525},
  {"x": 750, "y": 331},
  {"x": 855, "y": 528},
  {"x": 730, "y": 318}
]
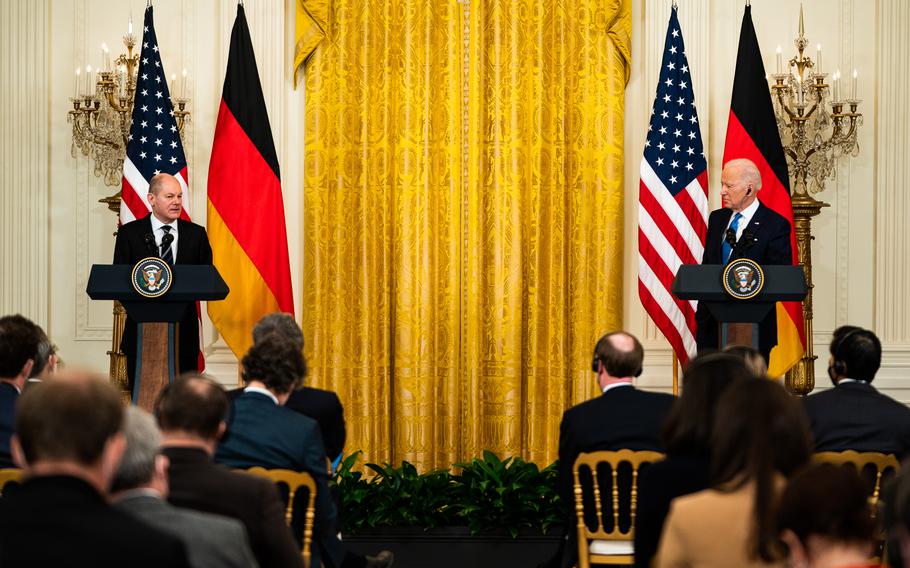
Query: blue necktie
[{"x": 734, "y": 226}]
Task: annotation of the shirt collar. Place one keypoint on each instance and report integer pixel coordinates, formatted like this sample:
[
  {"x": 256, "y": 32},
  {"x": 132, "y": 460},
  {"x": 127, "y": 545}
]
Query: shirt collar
[
  {"x": 139, "y": 492},
  {"x": 156, "y": 224},
  {"x": 262, "y": 391},
  {"x": 846, "y": 380},
  {"x": 615, "y": 385},
  {"x": 747, "y": 214}
]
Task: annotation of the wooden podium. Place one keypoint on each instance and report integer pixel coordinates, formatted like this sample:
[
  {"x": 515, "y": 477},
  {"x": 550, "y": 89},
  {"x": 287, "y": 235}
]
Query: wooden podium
[
  {"x": 739, "y": 318},
  {"x": 156, "y": 333}
]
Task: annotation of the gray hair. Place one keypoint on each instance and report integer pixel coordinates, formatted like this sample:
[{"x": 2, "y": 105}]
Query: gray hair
[
  {"x": 281, "y": 323},
  {"x": 143, "y": 443},
  {"x": 748, "y": 171}
]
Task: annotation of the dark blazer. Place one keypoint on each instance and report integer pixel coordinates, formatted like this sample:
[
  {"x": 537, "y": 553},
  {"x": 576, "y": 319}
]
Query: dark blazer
[
  {"x": 63, "y": 521},
  {"x": 621, "y": 418},
  {"x": 261, "y": 433},
  {"x": 8, "y": 397},
  {"x": 196, "y": 482},
  {"x": 855, "y": 416},
  {"x": 192, "y": 248},
  {"x": 658, "y": 485},
  {"x": 769, "y": 244},
  {"x": 322, "y": 406}
]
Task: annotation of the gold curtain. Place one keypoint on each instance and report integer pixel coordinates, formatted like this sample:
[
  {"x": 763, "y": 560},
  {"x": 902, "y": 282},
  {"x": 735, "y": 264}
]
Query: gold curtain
[{"x": 463, "y": 216}]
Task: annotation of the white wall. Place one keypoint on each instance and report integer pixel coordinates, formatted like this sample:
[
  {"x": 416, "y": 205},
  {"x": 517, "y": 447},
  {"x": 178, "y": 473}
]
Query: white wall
[{"x": 52, "y": 228}]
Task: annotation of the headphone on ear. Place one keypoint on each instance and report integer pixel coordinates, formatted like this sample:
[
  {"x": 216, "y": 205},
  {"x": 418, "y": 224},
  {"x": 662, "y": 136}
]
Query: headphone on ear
[{"x": 840, "y": 369}]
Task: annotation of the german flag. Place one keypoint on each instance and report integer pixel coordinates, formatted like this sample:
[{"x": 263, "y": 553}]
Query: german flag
[
  {"x": 752, "y": 134},
  {"x": 245, "y": 209}
]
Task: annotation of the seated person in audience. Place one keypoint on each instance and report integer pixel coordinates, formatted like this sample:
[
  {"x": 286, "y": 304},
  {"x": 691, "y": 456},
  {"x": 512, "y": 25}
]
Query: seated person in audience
[
  {"x": 261, "y": 432},
  {"x": 687, "y": 439},
  {"x": 69, "y": 442},
  {"x": 824, "y": 519},
  {"x": 621, "y": 417},
  {"x": 760, "y": 436},
  {"x": 854, "y": 415},
  {"x": 322, "y": 406},
  {"x": 752, "y": 357},
  {"x": 140, "y": 487},
  {"x": 20, "y": 342},
  {"x": 191, "y": 413}
]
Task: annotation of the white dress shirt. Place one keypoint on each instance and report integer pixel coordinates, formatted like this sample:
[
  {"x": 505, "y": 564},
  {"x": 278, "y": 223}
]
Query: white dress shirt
[
  {"x": 159, "y": 234},
  {"x": 266, "y": 392},
  {"x": 744, "y": 221}
]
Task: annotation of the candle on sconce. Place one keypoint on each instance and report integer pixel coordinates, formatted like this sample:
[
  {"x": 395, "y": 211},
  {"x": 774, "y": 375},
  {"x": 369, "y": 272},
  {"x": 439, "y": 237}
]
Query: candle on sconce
[
  {"x": 853, "y": 94},
  {"x": 78, "y": 80},
  {"x": 183, "y": 87},
  {"x": 173, "y": 86},
  {"x": 129, "y": 29},
  {"x": 818, "y": 58},
  {"x": 105, "y": 57},
  {"x": 89, "y": 84},
  {"x": 779, "y": 65},
  {"x": 835, "y": 80}
]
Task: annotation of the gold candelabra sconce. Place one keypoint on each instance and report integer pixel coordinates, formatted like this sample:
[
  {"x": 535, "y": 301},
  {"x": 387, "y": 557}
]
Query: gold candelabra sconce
[{"x": 817, "y": 126}]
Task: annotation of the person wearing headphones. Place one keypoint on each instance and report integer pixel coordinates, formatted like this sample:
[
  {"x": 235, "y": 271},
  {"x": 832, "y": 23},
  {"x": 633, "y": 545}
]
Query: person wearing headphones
[
  {"x": 743, "y": 228},
  {"x": 622, "y": 417},
  {"x": 854, "y": 415}
]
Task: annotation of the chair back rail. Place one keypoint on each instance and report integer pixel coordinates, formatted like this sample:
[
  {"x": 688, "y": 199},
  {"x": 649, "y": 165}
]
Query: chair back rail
[
  {"x": 295, "y": 480},
  {"x": 11, "y": 475}
]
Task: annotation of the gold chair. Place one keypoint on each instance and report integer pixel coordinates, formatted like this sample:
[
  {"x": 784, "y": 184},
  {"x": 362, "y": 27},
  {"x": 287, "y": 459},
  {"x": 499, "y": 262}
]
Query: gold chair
[
  {"x": 615, "y": 546},
  {"x": 295, "y": 480},
  {"x": 861, "y": 461},
  {"x": 9, "y": 476}
]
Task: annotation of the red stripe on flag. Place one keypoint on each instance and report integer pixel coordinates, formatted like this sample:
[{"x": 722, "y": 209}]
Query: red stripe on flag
[
  {"x": 246, "y": 193},
  {"x": 665, "y": 224},
  {"x": 663, "y": 323},
  {"x": 692, "y": 213},
  {"x": 661, "y": 270}
]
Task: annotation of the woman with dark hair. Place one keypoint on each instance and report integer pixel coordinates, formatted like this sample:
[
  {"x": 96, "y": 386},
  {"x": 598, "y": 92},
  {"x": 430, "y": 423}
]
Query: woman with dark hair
[
  {"x": 760, "y": 437},
  {"x": 686, "y": 436},
  {"x": 825, "y": 520}
]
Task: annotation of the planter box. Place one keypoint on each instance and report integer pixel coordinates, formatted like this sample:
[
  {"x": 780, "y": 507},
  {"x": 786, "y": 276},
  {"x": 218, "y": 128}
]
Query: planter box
[{"x": 455, "y": 547}]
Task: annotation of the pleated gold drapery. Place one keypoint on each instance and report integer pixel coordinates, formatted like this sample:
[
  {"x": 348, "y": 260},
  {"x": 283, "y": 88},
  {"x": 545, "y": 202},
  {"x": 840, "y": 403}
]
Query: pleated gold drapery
[{"x": 463, "y": 216}]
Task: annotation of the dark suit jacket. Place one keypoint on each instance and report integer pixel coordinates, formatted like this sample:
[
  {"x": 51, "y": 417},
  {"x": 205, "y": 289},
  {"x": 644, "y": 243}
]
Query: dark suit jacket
[
  {"x": 855, "y": 416},
  {"x": 196, "y": 482},
  {"x": 322, "y": 406},
  {"x": 8, "y": 397},
  {"x": 192, "y": 248},
  {"x": 658, "y": 485},
  {"x": 261, "y": 433},
  {"x": 212, "y": 541},
  {"x": 770, "y": 244},
  {"x": 63, "y": 521}
]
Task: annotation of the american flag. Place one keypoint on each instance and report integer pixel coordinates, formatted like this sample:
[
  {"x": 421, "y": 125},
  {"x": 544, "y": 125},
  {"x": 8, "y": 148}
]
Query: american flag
[
  {"x": 154, "y": 143},
  {"x": 673, "y": 197}
]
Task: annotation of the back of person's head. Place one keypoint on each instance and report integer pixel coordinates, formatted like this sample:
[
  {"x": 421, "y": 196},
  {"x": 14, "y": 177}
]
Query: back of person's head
[
  {"x": 69, "y": 418},
  {"x": 281, "y": 323},
  {"x": 825, "y": 507},
  {"x": 20, "y": 341},
  {"x": 687, "y": 428},
  {"x": 619, "y": 354},
  {"x": 760, "y": 433},
  {"x": 275, "y": 361},
  {"x": 143, "y": 444},
  {"x": 194, "y": 405},
  {"x": 856, "y": 353},
  {"x": 752, "y": 357}
]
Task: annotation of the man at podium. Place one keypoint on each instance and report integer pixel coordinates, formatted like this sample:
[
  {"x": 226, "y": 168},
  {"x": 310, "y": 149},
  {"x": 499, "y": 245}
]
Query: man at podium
[
  {"x": 164, "y": 234},
  {"x": 743, "y": 228}
]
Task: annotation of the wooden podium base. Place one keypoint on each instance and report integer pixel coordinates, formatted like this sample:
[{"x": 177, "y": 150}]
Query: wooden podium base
[
  {"x": 155, "y": 362},
  {"x": 745, "y": 334}
]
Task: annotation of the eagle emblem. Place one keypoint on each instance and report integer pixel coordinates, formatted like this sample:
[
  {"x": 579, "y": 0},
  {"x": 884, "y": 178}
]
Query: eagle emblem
[
  {"x": 743, "y": 279},
  {"x": 152, "y": 277}
]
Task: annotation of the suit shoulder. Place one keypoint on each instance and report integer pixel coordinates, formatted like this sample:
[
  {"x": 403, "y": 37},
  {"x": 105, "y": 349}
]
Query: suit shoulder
[{"x": 772, "y": 216}]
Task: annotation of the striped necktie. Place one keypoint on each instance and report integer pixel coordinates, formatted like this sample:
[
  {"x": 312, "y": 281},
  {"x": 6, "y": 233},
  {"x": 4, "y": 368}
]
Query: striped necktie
[{"x": 167, "y": 251}]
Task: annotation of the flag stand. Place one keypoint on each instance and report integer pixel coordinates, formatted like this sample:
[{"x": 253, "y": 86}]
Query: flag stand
[{"x": 675, "y": 375}]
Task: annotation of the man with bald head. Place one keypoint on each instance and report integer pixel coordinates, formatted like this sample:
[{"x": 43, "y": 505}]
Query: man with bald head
[
  {"x": 743, "y": 228},
  {"x": 164, "y": 234}
]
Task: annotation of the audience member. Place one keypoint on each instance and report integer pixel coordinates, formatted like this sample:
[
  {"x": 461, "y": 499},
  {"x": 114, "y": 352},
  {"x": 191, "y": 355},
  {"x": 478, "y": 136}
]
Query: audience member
[
  {"x": 760, "y": 436},
  {"x": 854, "y": 415},
  {"x": 69, "y": 443},
  {"x": 261, "y": 432},
  {"x": 140, "y": 487},
  {"x": 191, "y": 414},
  {"x": 825, "y": 520},
  {"x": 752, "y": 357},
  {"x": 687, "y": 439},
  {"x": 894, "y": 509},
  {"x": 622, "y": 417},
  {"x": 24, "y": 352},
  {"x": 322, "y": 406}
]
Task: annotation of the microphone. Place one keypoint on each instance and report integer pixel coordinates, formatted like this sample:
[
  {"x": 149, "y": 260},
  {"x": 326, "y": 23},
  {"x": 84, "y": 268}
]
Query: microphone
[
  {"x": 747, "y": 240},
  {"x": 150, "y": 242},
  {"x": 730, "y": 237},
  {"x": 166, "y": 240}
]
